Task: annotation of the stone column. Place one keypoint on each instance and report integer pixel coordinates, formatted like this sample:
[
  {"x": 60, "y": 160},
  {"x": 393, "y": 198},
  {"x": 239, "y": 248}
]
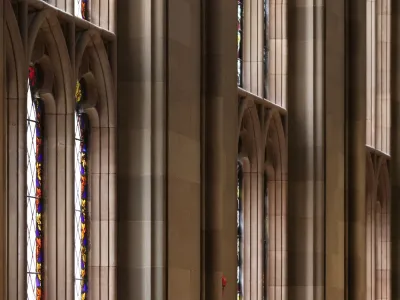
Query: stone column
[
  {"x": 356, "y": 150},
  {"x": 221, "y": 110},
  {"x": 141, "y": 149},
  {"x": 306, "y": 150},
  {"x": 3, "y": 239},
  {"x": 395, "y": 152},
  {"x": 335, "y": 196},
  {"x": 184, "y": 150}
]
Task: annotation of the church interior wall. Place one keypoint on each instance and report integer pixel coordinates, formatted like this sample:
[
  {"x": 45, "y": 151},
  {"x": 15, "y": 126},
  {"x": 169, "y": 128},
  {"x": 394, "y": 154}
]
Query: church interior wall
[{"x": 161, "y": 167}]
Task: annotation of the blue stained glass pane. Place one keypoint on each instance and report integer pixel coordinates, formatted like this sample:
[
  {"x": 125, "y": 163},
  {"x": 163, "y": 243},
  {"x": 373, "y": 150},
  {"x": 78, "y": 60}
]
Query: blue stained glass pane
[{"x": 85, "y": 288}]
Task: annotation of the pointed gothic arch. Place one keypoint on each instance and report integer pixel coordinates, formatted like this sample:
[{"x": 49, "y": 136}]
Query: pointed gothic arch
[{"x": 262, "y": 155}]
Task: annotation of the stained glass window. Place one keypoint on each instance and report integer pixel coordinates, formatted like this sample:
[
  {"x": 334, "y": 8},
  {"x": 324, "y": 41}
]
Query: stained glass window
[
  {"x": 266, "y": 47},
  {"x": 240, "y": 44},
  {"x": 265, "y": 235},
  {"x": 239, "y": 239},
  {"x": 81, "y": 198},
  {"x": 81, "y": 9},
  {"x": 35, "y": 202}
]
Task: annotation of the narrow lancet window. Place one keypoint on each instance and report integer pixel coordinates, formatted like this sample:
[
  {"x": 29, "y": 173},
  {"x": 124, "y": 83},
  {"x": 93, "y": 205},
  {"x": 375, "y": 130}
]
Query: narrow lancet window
[
  {"x": 239, "y": 239},
  {"x": 35, "y": 201},
  {"x": 81, "y": 197}
]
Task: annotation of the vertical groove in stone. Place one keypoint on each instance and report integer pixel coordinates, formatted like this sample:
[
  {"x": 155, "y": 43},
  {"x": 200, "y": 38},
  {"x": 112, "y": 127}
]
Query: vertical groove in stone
[
  {"x": 22, "y": 281},
  {"x": 356, "y": 105},
  {"x": 2, "y": 158},
  {"x": 141, "y": 149},
  {"x": 319, "y": 148},
  {"x": 159, "y": 147},
  {"x": 203, "y": 156},
  {"x": 395, "y": 151},
  {"x": 69, "y": 274}
]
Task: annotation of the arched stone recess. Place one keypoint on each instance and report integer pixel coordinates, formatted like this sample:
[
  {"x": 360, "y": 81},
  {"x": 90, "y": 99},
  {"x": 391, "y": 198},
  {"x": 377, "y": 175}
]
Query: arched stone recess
[
  {"x": 15, "y": 107},
  {"x": 382, "y": 232},
  {"x": 249, "y": 153},
  {"x": 263, "y": 155},
  {"x": 93, "y": 66},
  {"x": 47, "y": 48},
  {"x": 275, "y": 261}
]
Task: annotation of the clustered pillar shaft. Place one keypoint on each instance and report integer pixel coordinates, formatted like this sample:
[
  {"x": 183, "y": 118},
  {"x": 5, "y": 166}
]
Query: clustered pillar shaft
[
  {"x": 356, "y": 153},
  {"x": 220, "y": 94},
  {"x": 141, "y": 145}
]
